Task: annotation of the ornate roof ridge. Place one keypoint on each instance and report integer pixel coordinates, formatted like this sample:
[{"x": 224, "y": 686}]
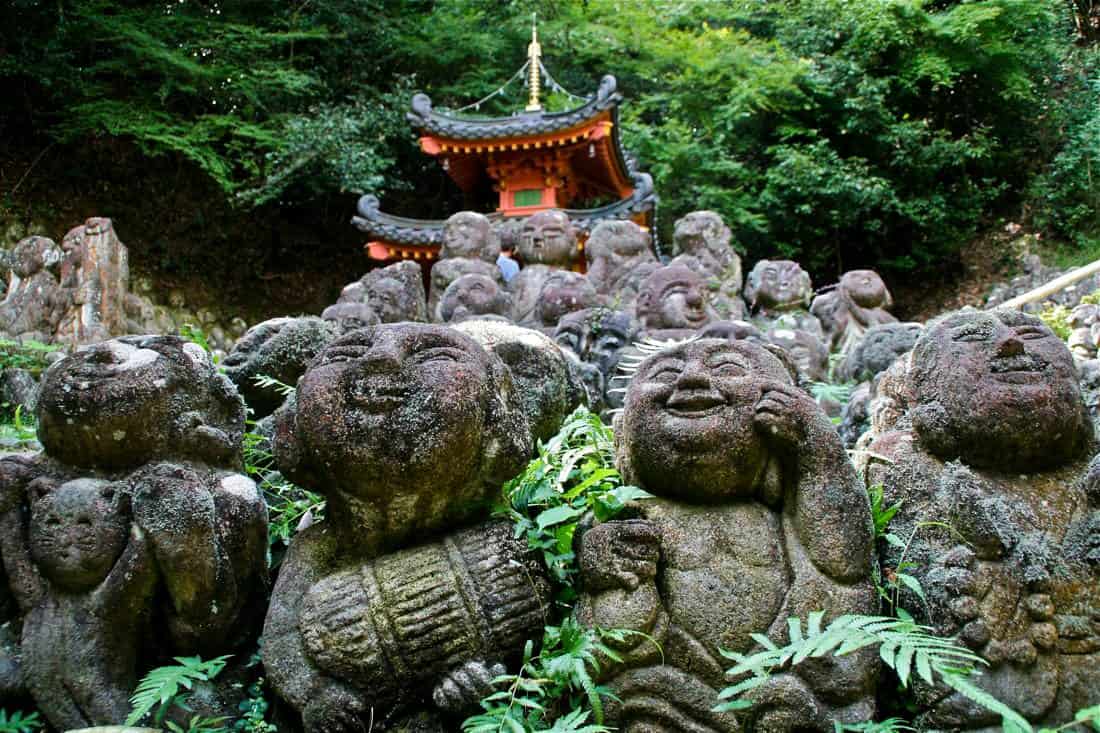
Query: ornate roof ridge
[{"x": 426, "y": 119}]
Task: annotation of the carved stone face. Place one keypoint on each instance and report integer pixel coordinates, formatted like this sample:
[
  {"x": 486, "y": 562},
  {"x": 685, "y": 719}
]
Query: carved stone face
[
  {"x": 778, "y": 284},
  {"x": 866, "y": 289},
  {"x": 881, "y": 346},
  {"x": 548, "y": 239},
  {"x": 997, "y": 389},
  {"x": 467, "y": 234},
  {"x": 614, "y": 247},
  {"x": 672, "y": 297},
  {"x": 119, "y": 403},
  {"x": 807, "y": 351},
  {"x": 391, "y": 300},
  {"x": 77, "y": 531},
  {"x": 347, "y": 317},
  {"x": 32, "y": 255},
  {"x": 564, "y": 292},
  {"x": 473, "y": 295},
  {"x": 546, "y": 385},
  {"x": 596, "y": 336},
  {"x": 412, "y": 419},
  {"x": 703, "y": 233},
  {"x": 687, "y": 426}
]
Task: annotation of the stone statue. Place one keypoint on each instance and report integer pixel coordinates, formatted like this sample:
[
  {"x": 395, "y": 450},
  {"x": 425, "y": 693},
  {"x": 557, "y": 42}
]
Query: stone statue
[
  {"x": 95, "y": 274},
  {"x": 805, "y": 349},
  {"x": 758, "y": 516},
  {"x": 672, "y": 301},
  {"x": 470, "y": 247},
  {"x": 597, "y": 337},
  {"x": 620, "y": 257},
  {"x": 474, "y": 296},
  {"x": 404, "y": 592},
  {"x": 779, "y": 293},
  {"x": 134, "y": 515},
  {"x": 35, "y": 302},
  {"x": 395, "y": 292},
  {"x": 563, "y": 292},
  {"x": 279, "y": 348},
  {"x": 859, "y": 302},
  {"x": 547, "y": 384},
  {"x": 703, "y": 241},
  {"x": 876, "y": 350},
  {"x": 995, "y": 450},
  {"x": 548, "y": 242},
  {"x": 732, "y": 331},
  {"x": 346, "y": 317}
]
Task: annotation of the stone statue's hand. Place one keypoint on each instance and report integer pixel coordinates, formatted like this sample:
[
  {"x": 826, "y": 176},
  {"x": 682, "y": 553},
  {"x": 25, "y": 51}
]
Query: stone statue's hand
[
  {"x": 954, "y": 586},
  {"x": 784, "y": 413},
  {"x": 620, "y": 554},
  {"x": 459, "y": 692},
  {"x": 785, "y": 702},
  {"x": 335, "y": 708}
]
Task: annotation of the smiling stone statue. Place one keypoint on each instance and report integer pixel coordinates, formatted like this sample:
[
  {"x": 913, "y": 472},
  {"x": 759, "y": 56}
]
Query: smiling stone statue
[
  {"x": 547, "y": 243},
  {"x": 997, "y": 459},
  {"x": 758, "y": 516}
]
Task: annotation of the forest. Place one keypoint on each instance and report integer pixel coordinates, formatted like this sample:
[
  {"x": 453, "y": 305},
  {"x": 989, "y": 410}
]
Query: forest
[{"x": 230, "y": 139}]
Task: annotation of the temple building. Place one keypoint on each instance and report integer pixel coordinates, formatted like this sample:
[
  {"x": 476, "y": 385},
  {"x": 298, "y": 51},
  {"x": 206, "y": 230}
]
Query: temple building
[{"x": 532, "y": 160}]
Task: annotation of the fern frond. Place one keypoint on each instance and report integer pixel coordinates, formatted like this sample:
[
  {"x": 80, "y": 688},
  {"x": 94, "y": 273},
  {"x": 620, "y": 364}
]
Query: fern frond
[{"x": 161, "y": 687}]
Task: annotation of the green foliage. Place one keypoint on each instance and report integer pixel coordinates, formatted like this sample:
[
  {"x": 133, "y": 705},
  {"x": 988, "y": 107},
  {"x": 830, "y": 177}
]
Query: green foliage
[
  {"x": 195, "y": 334},
  {"x": 253, "y": 711},
  {"x": 286, "y": 502},
  {"x": 574, "y": 473},
  {"x": 1056, "y": 316},
  {"x": 880, "y": 514},
  {"x": 554, "y": 690},
  {"x": 265, "y": 382},
  {"x": 198, "y": 724},
  {"x": 29, "y": 355},
  {"x": 840, "y": 392},
  {"x": 19, "y": 433},
  {"x": 163, "y": 688},
  {"x": 890, "y": 725},
  {"x": 19, "y": 722}
]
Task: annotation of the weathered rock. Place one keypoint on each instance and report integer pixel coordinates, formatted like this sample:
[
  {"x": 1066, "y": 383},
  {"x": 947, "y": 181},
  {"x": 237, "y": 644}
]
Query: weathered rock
[
  {"x": 758, "y": 516},
  {"x": 95, "y": 275},
  {"x": 134, "y": 516},
  {"x": 408, "y": 430},
  {"x": 19, "y": 389},
  {"x": 998, "y": 457},
  {"x": 859, "y": 301},
  {"x": 703, "y": 241},
  {"x": 548, "y": 387},
  {"x": 876, "y": 350},
  {"x": 473, "y": 296},
  {"x": 805, "y": 349},
  {"x": 279, "y": 348}
]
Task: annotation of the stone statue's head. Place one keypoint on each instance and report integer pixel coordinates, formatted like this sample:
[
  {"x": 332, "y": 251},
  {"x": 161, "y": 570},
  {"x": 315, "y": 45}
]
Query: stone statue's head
[
  {"x": 880, "y": 346},
  {"x": 997, "y": 389},
  {"x": 614, "y": 247},
  {"x": 866, "y": 289},
  {"x": 548, "y": 386},
  {"x": 596, "y": 336},
  {"x": 78, "y": 530},
  {"x": 279, "y": 348},
  {"x": 548, "y": 238},
  {"x": 34, "y": 254},
  {"x": 345, "y": 317},
  {"x": 687, "y": 430},
  {"x": 703, "y": 233},
  {"x": 672, "y": 297},
  {"x": 732, "y": 331},
  {"x": 412, "y": 424},
  {"x": 396, "y": 293},
  {"x": 564, "y": 292},
  {"x": 474, "y": 295},
  {"x": 778, "y": 284},
  {"x": 124, "y": 402},
  {"x": 806, "y": 350},
  {"x": 470, "y": 235}
]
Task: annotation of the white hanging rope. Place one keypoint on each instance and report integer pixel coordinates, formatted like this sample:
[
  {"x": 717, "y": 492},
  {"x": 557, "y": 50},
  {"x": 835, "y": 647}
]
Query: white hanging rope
[
  {"x": 553, "y": 84},
  {"x": 477, "y": 105}
]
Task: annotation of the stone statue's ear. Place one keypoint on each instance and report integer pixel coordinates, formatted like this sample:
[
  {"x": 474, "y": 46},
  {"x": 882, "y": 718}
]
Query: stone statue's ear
[{"x": 287, "y": 448}]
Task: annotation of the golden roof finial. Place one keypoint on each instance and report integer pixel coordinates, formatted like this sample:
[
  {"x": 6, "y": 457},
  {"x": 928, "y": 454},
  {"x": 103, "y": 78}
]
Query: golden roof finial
[{"x": 534, "y": 54}]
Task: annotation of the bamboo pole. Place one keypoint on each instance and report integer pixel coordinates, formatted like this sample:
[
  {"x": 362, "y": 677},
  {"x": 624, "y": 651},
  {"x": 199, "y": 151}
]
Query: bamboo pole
[{"x": 1053, "y": 286}]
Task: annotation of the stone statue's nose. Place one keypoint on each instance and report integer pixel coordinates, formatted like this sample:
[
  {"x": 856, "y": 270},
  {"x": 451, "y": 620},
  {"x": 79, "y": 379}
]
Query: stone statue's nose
[
  {"x": 1010, "y": 346},
  {"x": 694, "y": 376},
  {"x": 384, "y": 356}
]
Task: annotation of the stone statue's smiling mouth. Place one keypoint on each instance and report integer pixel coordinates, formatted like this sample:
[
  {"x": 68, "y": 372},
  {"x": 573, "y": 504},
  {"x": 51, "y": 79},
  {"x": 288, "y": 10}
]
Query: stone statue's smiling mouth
[
  {"x": 695, "y": 403},
  {"x": 1023, "y": 367},
  {"x": 379, "y": 396}
]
